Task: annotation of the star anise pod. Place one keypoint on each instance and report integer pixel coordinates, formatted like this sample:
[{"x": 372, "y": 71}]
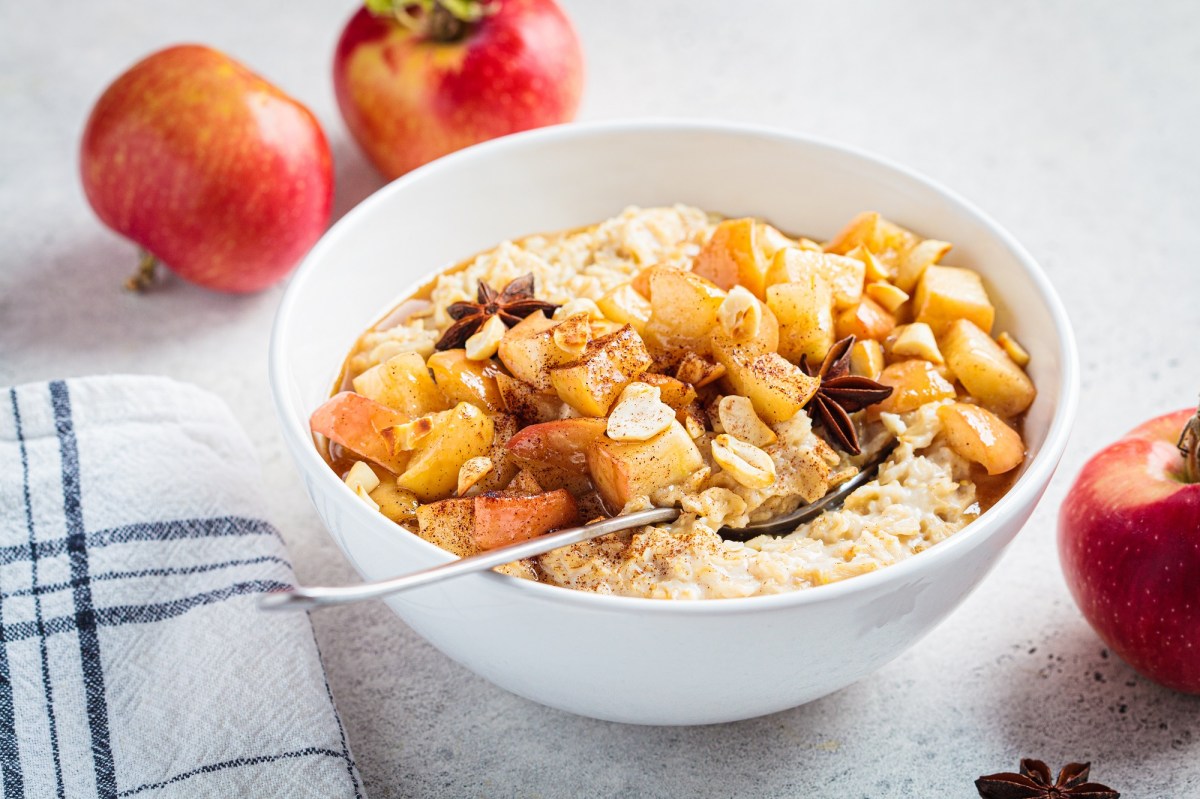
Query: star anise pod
[
  {"x": 512, "y": 305},
  {"x": 1033, "y": 782},
  {"x": 841, "y": 394}
]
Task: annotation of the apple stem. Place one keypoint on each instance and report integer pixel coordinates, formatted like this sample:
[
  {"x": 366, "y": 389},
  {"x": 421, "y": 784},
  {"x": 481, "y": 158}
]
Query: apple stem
[
  {"x": 1189, "y": 446},
  {"x": 144, "y": 277},
  {"x": 439, "y": 20}
]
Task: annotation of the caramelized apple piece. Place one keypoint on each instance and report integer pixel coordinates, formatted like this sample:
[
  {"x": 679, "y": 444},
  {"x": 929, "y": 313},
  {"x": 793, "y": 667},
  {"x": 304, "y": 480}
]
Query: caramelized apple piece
[
  {"x": 624, "y": 305},
  {"x": 529, "y": 350},
  {"x": 912, "y": 264},
  {"x": 403, "y": 383},
  {"x": 866, "y": 320},
  {"x": 460, "y": 434},
  {"x": 683, "y": 310},
  {"x": 461, "y": 379},
  {"x": 555, "y": 453},
  {"x": 913, "y": 383},
  {"x": 733, "y": 257},
  {"x": 777, "y": 388},
  {"x": 985, "y": 370},
  {"x": 527, "y": 403},
  {"x": 449, "y": 524},
  {"x": 981, "y": 436},
  {"x": 947, "y": 293},
  {"x": 607, "y": 365},
  {"x": 357, "y": 423},
  {"x": 804, "y": 309},
  {"x": 623, "y": 470},
  {"x": 502, "y": 518},
  {"x": 844, "y": 275}
]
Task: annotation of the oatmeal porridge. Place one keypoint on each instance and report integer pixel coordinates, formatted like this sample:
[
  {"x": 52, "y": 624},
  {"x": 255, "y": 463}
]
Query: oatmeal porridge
[{"x": 668, "y": 357}]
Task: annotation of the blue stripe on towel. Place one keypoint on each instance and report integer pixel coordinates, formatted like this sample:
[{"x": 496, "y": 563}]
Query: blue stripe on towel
[
  {"x": 85, "y": 614},
  {"x": 150, "y": 531},
  {"x": 37, "y": 600},
  {"x": 235, "y": 763}
]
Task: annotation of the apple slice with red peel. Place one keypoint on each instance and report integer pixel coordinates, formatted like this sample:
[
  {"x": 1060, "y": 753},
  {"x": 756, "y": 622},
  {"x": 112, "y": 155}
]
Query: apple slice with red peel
[
  {"x": 560, "y": 443},
  {"x": 1129, "y": 542},
  {"x": 357, "y": 423},
  {"x": 502, "y": 519}
]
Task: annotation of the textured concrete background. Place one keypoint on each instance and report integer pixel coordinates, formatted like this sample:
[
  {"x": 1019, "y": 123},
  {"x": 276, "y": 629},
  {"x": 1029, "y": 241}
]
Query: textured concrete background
[{"x": 1074, "y": 124}]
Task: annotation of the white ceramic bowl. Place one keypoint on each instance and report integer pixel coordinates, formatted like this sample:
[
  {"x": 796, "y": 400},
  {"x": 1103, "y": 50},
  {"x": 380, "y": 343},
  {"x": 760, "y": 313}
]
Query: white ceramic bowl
[{"x": 641, "y": 660}]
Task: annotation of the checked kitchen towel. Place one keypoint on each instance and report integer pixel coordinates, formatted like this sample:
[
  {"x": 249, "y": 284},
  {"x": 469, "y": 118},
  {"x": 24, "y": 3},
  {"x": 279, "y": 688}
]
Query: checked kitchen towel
[{"x": 133, "y": 661}]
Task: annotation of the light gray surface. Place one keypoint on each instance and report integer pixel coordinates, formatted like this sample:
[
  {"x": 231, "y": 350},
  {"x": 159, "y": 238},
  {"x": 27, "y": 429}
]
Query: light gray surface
[{"x": 1074, "y": 124}]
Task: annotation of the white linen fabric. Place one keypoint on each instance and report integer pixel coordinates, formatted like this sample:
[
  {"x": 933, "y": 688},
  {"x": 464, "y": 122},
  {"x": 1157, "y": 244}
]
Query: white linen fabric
[{"x": 133, "y": 661}]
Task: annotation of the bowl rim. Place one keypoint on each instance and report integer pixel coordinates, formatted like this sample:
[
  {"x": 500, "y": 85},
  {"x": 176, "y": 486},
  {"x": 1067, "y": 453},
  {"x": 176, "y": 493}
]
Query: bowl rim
[{"x": 1027, "y": 489}]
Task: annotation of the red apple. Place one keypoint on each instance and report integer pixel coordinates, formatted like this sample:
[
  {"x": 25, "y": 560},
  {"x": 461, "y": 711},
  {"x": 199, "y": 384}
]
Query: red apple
[
  {"x": 208, "y": 168},
  {"x": 418, "y": 82},
  {"x": 1129, "y": 541}
]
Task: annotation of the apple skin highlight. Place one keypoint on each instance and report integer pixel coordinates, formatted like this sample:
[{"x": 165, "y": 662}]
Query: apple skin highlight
[{"x": 1129, "y": 543}]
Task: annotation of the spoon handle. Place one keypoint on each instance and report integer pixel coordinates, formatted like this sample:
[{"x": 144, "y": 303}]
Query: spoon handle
[{"x": 302, "y": 598}]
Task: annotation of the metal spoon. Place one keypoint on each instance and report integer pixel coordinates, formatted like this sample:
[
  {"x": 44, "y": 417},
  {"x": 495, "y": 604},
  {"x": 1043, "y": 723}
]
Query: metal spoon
[{"x": 312, "y": 597}]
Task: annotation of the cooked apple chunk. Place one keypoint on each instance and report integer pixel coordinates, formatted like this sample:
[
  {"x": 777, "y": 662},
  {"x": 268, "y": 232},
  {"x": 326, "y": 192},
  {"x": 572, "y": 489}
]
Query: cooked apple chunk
[
  {"x": 555, "y": 453},
  {"x": 948, "y": 293},
  {"x": 734, "y": 257},
  {"x": 527, "y": 403},
  {"x": 683, "y": 309},
  {"x": 462, "y": 433},
  {"x": 358, "y": 424},
  {"x": 529, "y": 349},
  {"x": 624, "y": 470},
  {"x": 449, "y": 524},
  {"x": 461, "y": 379},
  {"x": 402, "y": 382},
  {"x": 844, "y": 275},
  {"x": 804, "y": 309},
  {"x": 985, "y": 370},
  {"x": 777, "y": 388},
  {"x": 673, "y": 392},
  {"x": 981, "y": 436},
  {"x": 913, "y": 263},
  {"x": 502, "y": 518},
  {"x": 624, "y": 305},
  {"x": 866, "y": 320},
  {"x": 913, "y": 383},
  {"x": 607, "y": 365}
]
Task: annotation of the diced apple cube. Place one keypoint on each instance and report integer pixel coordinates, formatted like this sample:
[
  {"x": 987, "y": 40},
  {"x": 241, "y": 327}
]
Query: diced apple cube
[
  {"x": 733, "y": 257},
  {"x": 887, "y": 295},
  {"x": 866, "y": 320},
  {"x": 985, "y": 370},
  {"x": 777, "y": 388},
  {"x": 913, "y": 384},
  {"x": 527, "y": 403},
  {"x": 624, "y": 470},
  {"x": 463, "y": 433},
  {"x": 948, "y": 293},
  {"x": 804, "y": 309},
  {"x": 607, "y": 365},
  {"x": 502, "y": 518},
  {"x": 358, "y": 424},
  {"x": 555, "y": 453},
  {"x": 683, "y": 311},
  {"x": 403, "y": 383},
  {"x": 913, "y": 262},
  {"x": 887, "y": 241},
  {"x": 449, "y": 524},
  {"x": 845, "y": 275},
  {"x": 529, "y": 351},
  {"x": 979, "y": 435},
  {"x": 624, "y": 305},
  {"x": 461, "y": 379}
]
